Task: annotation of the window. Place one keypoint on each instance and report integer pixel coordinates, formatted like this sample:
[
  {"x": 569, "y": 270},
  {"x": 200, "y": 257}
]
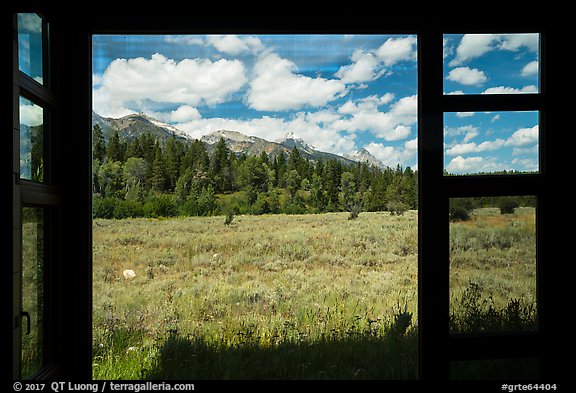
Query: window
[
  {"x": 305, "y": 142},
  {"x": 35, "y": 200},
  {"x": 438, "y": 349},
  {"x": 460, "y": 113}
]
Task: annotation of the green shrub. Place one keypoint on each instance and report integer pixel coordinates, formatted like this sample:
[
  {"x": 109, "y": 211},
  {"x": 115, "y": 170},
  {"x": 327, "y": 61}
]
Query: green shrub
[
  {"x": 128, "y": 209},
  {"x": 507, "y": 205},
  {"x": 160, "y": 205},
  {"x": 103, "y": 207},
  {"x": 460, "y": 209}
]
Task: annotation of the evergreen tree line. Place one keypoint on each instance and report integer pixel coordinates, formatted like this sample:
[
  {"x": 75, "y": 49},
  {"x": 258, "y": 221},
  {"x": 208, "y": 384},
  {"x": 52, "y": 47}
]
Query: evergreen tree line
[{"x": 147, "y": 177}]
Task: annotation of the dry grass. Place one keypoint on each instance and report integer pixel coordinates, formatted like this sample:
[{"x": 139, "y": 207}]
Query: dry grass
[
  {"x": 277, "y": 279},
  {"x": 301, "y": 296}
]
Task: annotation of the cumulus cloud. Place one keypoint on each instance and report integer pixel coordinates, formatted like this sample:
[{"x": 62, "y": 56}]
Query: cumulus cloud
[
  {"x": 395, "y": 50},
  {"x": 184, "y": 113},
  {"x": 471, "y": 164},
  {"x": 159, "y": 79},
  {"x": 472, "y": 46},
  {"x": 31, "y": 114},
  {"x": 404, "y": 155},
  {"x": 510, "y": 90},
  {"x": 368, "y": 65},
  {"x": 530, "y": 69},
  {"x": 365, "y": 67},
  {"x": 467, "y": 76},
  {"x": 392, "y": 125},
  {"x": 276, "y": 86},
  {"x": 521, "y": 137},
  {"x": 235, "y": 45}
]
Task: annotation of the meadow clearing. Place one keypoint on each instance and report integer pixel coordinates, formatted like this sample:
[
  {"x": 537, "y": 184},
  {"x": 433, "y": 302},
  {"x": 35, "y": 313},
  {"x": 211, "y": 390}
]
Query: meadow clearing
[{"x": 288, "y": 296}]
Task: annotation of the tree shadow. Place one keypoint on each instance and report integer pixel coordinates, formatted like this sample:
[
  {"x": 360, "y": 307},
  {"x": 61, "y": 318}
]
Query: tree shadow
[{"x": 360, "y": 356}]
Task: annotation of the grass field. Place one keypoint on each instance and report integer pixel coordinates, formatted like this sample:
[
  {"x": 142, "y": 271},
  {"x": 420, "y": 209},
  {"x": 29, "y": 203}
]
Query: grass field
[{"x": 276, "y": 296}]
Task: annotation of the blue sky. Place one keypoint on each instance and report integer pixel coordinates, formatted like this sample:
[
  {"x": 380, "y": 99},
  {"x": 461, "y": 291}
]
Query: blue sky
[
  {"x": 338, "y": 93},
  {"x": 491, "y": 64}
]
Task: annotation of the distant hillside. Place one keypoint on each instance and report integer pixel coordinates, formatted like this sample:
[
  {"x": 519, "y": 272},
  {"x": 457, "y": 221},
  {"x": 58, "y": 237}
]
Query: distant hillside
[{"x": 132, "y": 126}]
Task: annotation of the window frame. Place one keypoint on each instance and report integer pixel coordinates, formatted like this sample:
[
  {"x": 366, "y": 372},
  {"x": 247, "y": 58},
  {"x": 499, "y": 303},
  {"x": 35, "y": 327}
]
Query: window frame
[
  {"x": 434, "y": 194},
  {"x": 29, "y": 193},
  {"x": 436, "y": 347}
]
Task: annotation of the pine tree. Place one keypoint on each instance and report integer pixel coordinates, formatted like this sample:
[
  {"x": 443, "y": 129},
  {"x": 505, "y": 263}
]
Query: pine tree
[
  {"x": 172, "y": 162},
  {"x": 114, "y": 152},
  {"x": 219, "y": 167},
  {"x": 98, "y": 144},
  {"x": 159, "y": 178}
]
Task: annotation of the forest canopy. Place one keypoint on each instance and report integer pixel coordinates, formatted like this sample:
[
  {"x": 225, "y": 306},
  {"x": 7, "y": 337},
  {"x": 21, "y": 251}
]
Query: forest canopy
[{"x": 148, "y": 177}]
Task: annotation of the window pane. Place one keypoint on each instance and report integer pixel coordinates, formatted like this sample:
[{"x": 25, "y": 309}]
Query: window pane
[
  {"x": 31, "y": 141},
  {"x": 491, "y": 63},
  {"x": 492, "y": 264},
  {"x": 276, "y": 280},
  {"x": 491, "y": 142},
  {"x": 32, "y": 288},
  {"x": 30, "y": 45}
]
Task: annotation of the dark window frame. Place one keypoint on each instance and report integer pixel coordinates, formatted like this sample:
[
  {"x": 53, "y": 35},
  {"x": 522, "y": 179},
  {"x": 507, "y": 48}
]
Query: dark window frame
[
  {"x": 45, "y": 195},
  {"x": 437, "y": 348}
]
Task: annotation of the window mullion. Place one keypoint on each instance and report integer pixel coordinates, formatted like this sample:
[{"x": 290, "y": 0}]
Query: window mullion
[{"x": 433, "y": 274}]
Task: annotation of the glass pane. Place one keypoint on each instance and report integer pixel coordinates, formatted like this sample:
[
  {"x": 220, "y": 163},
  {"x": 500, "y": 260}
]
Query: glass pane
[
  {"x": 31, "y": 141},
  {"x": 304, "y": 254},
  {"x": 32, "y": 288},
  {"x": 491, "y": 63},
  {"x": 30, "y": 46},
  {"x": 491, "y": 142},
  {"x": 492, "y": 264}
]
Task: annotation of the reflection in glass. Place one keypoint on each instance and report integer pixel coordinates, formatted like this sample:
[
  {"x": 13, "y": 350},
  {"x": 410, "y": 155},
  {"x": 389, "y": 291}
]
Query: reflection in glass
[
  {"x": 491, "y": 63},
  {"x": 32, "y": 288},
  {"x": 492, "y": 264},
  {"x": 31, "y": 141},
  {"x": 30, "y": 46},
  {"x": 491, "y": 142}
]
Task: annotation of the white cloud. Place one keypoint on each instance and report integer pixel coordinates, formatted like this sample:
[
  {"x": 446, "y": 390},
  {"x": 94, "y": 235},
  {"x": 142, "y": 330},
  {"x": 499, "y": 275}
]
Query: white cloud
[
  {"x": 523, "y": 137},
  {"x": 184, "y": 113},
  {"x": 530, "y": 69},
  {"x": 365, "y": 116},
  {"x": 467, "y": 76},
  {"x": 276, "y": 86},
  {"x": 513, "y": 42},
  {"x": 184, "y": 40},
  {"x": 368, "y": 65},
  {"x": 465, "y": 114},
  {"x": 365, "y": 67},
  {"x": 234, "y": 45},
  {"x": 395, "y": 50},
  {"x": 158, "y": 79},
  {"x": 472, "y": 147},
  {"x": 475, "y": 45},
  {"x": 471, "y": 164},
  {"x": 462, "y": 130},
  {"x": 511, "y": 90},
  {"x": 31, "y": 114},
  {"x": 404, "y": 155},
  {"x": 472, "y": 46}
]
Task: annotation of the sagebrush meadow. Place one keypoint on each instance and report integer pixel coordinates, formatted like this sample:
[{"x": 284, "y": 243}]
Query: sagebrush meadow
[{"x": 291, "y": 296}]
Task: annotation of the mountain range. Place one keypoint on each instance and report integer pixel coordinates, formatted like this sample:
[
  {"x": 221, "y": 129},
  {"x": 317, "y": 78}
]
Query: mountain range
[{"x": 134, "y": 125}]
